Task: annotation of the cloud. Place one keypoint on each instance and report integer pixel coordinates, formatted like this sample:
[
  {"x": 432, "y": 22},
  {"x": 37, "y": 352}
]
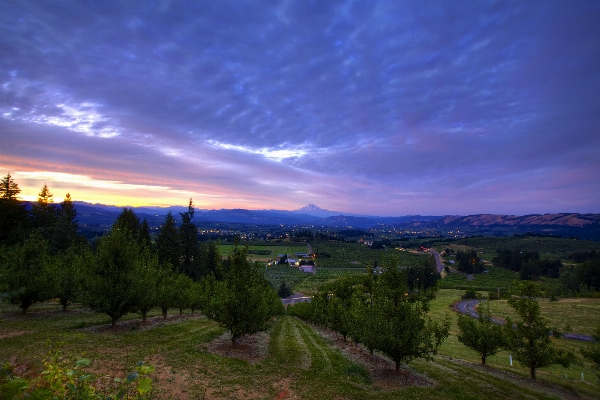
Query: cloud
[{"x": 346, "y": 104}]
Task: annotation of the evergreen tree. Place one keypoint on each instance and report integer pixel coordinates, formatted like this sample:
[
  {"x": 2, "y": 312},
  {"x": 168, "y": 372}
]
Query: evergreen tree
[
  {"x": 13, "y": 216},
  {"x": 144, "y": 238},
  {"x": 127, "y": 220},
  {"x": 283, "y": 291},
  {"x": 43, "y": 213},
  {"x": 188, "y": 236},
  {"x": 65, "y": 230},
  {"x": 481, "y": 334},
  {"x": 529, "y": 338},
  {"x": 168, "y": 243}
]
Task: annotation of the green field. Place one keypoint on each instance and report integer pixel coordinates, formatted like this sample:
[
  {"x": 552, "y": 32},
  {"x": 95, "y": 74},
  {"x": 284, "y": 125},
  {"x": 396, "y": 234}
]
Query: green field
[
  {"x": 356, "y": 255},
  {"x": 286, "y": 248},
  {"x": 292, "y": 360},
  {"x": 492, "y": 280},
  {"x": 580, "y": 314}
]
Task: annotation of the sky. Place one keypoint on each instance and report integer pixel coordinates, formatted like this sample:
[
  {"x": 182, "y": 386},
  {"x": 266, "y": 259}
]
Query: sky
[{"x": 372, "y": 107}]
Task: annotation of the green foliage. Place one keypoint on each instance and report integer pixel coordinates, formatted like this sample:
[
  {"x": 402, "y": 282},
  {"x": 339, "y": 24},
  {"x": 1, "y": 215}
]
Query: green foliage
[
  {"x": 27, "y": 272},
  {"x": 167, "y": 243},
  {"x": 469, "y": 262},
  {"x": 382, "y": 312},
  {"x": 470, "y": 293},
  {"x": 146, "y": 274},
  {"x": 481, "y": 335},
  {"x": 62, "y": 378},
  {"x": 529, "y": 338},
  {"x": 592, "y": 352},
  {"x": 70, "y": 274},
  {"x": 13, "y": 216},
  {"x": 112, "y": 278},
  {"x": 243, "y": 301},
  {"x": 283, "y": 291},
  {"x": 189, "y": 246}
]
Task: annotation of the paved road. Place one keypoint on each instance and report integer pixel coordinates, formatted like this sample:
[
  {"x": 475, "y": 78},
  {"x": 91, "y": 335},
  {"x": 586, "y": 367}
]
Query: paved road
[
  {"x": 438, "y": 260},
  {"x": 469, "y": 307}
]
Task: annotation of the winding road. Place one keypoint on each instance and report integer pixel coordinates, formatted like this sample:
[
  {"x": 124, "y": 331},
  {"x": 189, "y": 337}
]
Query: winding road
[
  {"x": 438, "y": 260},
  {"x": 469, "y": 307}
]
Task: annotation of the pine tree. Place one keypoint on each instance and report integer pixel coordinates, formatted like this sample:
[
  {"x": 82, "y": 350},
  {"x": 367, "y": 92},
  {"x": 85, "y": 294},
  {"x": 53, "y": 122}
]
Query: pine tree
[
  {"x": 65, "y": 230},
  {"x": 188, "y": 236},
  {"x": 43, "y": 213},
  {"x": 13, "y": 216},
  {"x": 168, "y": 243}
]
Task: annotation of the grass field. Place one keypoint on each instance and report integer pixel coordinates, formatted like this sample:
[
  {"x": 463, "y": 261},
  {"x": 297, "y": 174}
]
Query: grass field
[
  {"x": 293, "y": 360},
  {"x": 353, "y": 255},
  {"x": 580, "y": 314},
  {"x": 289, "y": 249},
  {"x": 495, "y": 278}
]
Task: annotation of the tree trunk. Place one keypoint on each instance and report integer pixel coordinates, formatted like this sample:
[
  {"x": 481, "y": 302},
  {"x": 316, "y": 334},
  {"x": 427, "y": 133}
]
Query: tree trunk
[
  {"x": 397, "y": 366},
  {"x": 180, "y": 312},
  {"x": 483, "y": 360},
  {"x": 144, "y": 317},
  {"x": 233, "y": 341},
  {"x": 113, "y": 322},
  {"x": 164, "y": 312},
  {"x": 532, "y": 373}
]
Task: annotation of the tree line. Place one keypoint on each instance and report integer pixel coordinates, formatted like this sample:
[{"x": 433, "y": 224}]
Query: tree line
[
  {"x": 384, "y": 312},
  {"x": 42, "y": 257}
]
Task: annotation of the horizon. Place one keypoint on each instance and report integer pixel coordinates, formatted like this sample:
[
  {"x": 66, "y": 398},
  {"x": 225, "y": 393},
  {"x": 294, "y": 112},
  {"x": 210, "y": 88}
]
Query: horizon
[
  {"x": 367, "y": 107},
  {"x": 341, "y": 213}
]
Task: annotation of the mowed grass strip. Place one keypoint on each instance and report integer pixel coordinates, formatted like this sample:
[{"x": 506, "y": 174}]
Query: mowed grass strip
[
  {"x": 287, "y": 347},
  {"x": 321, "y": 362}
]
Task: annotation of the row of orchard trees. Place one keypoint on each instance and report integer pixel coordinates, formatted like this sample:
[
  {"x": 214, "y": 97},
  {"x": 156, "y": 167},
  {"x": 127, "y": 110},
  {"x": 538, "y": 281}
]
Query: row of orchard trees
[
  {"x": 126, "y": 272},
  {"x": 385, "y": 312}
]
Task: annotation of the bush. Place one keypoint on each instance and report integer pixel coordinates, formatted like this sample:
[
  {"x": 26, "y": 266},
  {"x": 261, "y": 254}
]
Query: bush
[{"x": 470, "y": 294}]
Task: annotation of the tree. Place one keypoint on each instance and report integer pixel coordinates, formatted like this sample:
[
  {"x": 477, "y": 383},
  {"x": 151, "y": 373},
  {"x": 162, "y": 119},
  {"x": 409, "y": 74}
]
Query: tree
[
  {"x": 112, "y": 278},
  {"x": 481, "y": 334},
  {"x": 13, "y": 216},
  {"x": 592, "y": 352},
  {"x": 43, "y": 213},
  {"x": 164, "y": 288},
  {"x": 243, "y": 302},
  {"x": 168, "y": 243},
  {"x": 27, "y": 272},
  {"x": 188, "y": 236},
  {"x": 70, "y": 275},
  {"x": 65, "y": 229},
  {"x": 529, "y": 339},
  {"x": 181, "y": 292},
  {"x": 146, "y": 275},
  {"x": 283, "y": 291},
  {"x": 406, "y": 332}
]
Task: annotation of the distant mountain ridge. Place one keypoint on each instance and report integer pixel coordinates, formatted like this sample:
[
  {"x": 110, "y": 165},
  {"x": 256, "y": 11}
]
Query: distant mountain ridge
[{"x": 566, "y": 224}]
